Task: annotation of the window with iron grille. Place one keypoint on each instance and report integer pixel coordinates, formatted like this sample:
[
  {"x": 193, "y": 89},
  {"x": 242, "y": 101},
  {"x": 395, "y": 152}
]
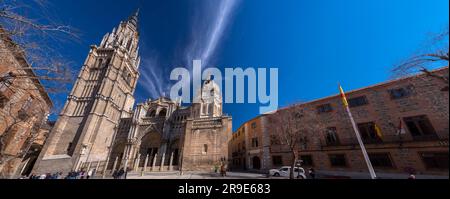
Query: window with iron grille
[
  {"x": 306, "y": 160},
  {"x": 381, "y": 160},
  {"x": 3, "y": 100},
  {"x": 331, "y": 136},
  {"x": 435, "y": 160},
  {"x": 358, "y": 101},
  {"x": 400, "y": 93},
  {"x": 338, "y": 160},
  {"x": 254, "y": 142},
  {"x": 420, "y": 127},
  {"x": 369, "y": 133},
  {"x": 277, "y": 160},
  {"x": 325, "y": 108}
]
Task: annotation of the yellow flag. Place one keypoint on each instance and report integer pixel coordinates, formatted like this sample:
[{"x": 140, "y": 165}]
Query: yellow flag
[
  {"x": 378, "y": 130},
  {"x": 344, "y": 99}
]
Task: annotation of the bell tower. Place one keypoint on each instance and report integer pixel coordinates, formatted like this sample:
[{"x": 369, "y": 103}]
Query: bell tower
[{"x": 101, "y": 96}]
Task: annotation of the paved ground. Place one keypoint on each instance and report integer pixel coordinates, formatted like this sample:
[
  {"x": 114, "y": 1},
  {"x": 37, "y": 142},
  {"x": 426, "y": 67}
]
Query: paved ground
[
  {"x": 247, "y": 175},
  {"x": 197, "y": 175}
]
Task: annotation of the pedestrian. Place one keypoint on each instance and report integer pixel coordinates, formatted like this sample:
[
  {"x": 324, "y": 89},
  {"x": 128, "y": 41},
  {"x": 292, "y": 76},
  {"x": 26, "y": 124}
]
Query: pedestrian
[
  {"x": 82, "y": 174},
  {"x": 223, "y": 171},
  {"x": 55, "y": 175},
  {"x": 121, "y": 172},
  {"x": 72, "y": 175},
  {"x": 60, "y": 176},
  {"x": 114, "y": 175},
  {"x": 216, "y": 168},
  {"x": 42, "y": 177},
  {"x": 126, "y": 172},
  {"x": 48, "y": 176},
  {"x": 89, "y": 174},
  {"x": 312, "y": 173}
]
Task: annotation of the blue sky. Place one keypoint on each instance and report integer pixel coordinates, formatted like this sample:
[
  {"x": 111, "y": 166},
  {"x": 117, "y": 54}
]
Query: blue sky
[{"x": 314, "y": 44}]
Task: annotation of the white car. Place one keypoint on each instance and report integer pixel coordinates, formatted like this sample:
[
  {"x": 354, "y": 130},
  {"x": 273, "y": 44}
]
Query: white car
[{"x": 285, "y": 172}]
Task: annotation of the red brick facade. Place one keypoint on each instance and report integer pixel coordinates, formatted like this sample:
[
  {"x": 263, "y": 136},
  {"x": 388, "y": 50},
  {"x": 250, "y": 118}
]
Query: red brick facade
[{"x": 420, "y": 103}]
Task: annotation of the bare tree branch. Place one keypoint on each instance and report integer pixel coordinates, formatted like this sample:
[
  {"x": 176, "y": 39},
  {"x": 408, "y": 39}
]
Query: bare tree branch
[
  {"x": 290, "y": 128},
  {"x": 436, "y": 54},
  {"x": 34, "y": 38}
]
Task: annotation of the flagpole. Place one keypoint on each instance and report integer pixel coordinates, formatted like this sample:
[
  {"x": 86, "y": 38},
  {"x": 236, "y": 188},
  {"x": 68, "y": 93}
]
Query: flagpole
[
  {"x": 358, "y": 136},
  {"x": 361, "y": 143}
]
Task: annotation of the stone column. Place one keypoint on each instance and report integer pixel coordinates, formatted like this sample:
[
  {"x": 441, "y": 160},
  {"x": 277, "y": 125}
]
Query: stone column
[
  {"x": 96, "y": 168},
  {"x": 105, "y": 168},
  {"x": 136, "y": 162},
  {"x": 170, "y": 163},
  {"x": 145, "y": 165},
  {"x": 161, "y": 168},
  {"x": 79, "y": 164},
  {"x": 114, "y": 165},
  {"x": 151, "y": 153},
  {"x": 125, "y": 164},
  {"x": 154, "y": 162},
  {"x": 88, "y": 167}
]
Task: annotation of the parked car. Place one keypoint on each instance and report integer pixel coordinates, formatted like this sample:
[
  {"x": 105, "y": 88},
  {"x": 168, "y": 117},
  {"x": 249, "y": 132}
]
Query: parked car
[{"x": 286, "y": 170}]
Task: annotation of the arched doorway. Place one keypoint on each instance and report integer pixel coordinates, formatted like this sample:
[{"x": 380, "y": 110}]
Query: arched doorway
[
  {"x": 150, "y": 144},
  {"x": 162, "y": 112},
  {"x": 117, "y": 153},
  {"x": 174, "y": 148},
  {"x": 256, "y": 163}
]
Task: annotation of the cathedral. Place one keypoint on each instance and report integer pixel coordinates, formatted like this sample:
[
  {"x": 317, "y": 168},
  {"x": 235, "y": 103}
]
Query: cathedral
[
  {"x": 100, "y": 129},
  {"x": 162, "y": 135}
]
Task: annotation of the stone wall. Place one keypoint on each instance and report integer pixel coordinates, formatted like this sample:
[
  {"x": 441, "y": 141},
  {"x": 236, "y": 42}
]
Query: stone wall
[{"x": 206, "y": 143}]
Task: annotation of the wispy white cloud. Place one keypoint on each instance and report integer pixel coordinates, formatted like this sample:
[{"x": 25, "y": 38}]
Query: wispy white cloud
[
  {"x": 151, "y": 76},
  {"x": 208, "y": 29},
  {"x": 209, "y": 23}
]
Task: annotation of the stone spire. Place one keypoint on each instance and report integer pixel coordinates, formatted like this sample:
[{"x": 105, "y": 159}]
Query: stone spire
[
  {"x": 125, "y": 37},
  {"x": 134, "y": 19}
]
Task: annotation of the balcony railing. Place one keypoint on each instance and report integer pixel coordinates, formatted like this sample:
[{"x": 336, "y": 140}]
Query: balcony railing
[
  {"x": 425, "y": 137},
  {"x": 354, "y": 141},
  {"x": 153, "y": 120}
]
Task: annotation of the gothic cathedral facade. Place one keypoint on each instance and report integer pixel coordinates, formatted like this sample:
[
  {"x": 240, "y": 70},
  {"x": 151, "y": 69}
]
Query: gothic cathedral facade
[
  {"x": 98, "y": 127},
  {"x": 163, "y": 135}
]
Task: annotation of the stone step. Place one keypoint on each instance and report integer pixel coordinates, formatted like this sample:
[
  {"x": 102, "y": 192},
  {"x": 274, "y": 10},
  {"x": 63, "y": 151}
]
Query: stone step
[{"x": 162, "y": 173}]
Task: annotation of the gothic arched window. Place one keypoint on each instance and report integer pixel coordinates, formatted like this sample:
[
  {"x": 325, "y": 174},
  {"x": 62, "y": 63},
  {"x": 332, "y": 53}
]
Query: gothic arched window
[
  {"x": 211, "y": 109},
  {"x": 129, "y": 78},
  {"x": 162, "y": 113},
  {"x": 205, "y": 149},
  {"x": 151, "y": 113},
  {"x": 100, "y": 62},
  {"x": 108, "y": 61},
  {"x": 129, "y": 44}
]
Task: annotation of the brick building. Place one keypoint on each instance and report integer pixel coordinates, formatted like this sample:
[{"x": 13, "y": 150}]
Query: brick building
[
  {"x": 412, "y": 116},
  {"x": 24, "y": 106},
  {"x": 250, "y": 146}
]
